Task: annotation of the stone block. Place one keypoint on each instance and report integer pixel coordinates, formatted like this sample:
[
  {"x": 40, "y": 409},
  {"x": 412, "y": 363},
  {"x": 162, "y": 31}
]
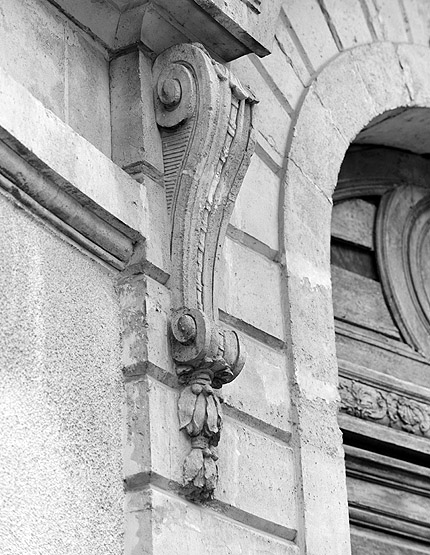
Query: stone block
[
  {"x": 262, "y": 389},
  {"x": 307, "y": 224},
  {"x": 32, "y": 50},
  {"x": 271, "y": 117},
  {"x": 278, "y": 66},
  {"x": 156, "y": 227},
  {"x": 264, "y": 488},
  {"x": 88, "y": 96},
  {"x": 318, "y": 148},
  {"x": 100, "y": 17},
  {"x": 372, "y": 18},
  {"x": 135, "y": 136},
  {"x": 257, "y": 474},
  {"x": 349, "y": 20},
  {"x": 416, "y": 70},
  {"x": 417, "y": 25},
  {"x": 289, "y": 48},
  {"x": 169, "y": 524},
  {"x": 312, "y": 30},
  {"x": 342, "y": 91},
  {"x": 392, "y": 22},
  {"x": 424, "y": 17},
  {"x": 380, "y": 70},
  {"x": 145, "y": 306},
  {"x": 256, "y": 208},
  {"x": 326, "y": 526},
  {"x": 250, "y": 288},
  {"x": 311, "y": 315},
  {"x": 70, "y": 160}
]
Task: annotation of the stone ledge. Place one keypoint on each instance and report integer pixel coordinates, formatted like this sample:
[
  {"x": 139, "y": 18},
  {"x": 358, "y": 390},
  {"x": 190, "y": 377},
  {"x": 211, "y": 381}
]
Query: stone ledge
[{"x": 51, "y": 161}]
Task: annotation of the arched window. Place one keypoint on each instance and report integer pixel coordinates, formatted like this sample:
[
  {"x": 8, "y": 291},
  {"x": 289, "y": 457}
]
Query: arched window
[{"x": 380, "y": 261}]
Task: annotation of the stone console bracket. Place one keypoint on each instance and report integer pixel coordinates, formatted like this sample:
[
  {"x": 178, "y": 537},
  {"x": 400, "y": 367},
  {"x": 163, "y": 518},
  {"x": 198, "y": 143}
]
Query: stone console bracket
[{"x": 205, "y": 118}]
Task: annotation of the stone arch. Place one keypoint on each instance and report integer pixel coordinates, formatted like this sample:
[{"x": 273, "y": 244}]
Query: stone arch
[{"x": 345, "y": 96}]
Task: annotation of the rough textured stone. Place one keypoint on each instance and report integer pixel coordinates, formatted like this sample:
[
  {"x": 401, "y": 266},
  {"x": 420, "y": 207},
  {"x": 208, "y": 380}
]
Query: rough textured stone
[
  {"x": 264, "y": 488},
  {"x": 312, "y": 30},
  {"x": 88, "y": 107},
  {"x": 49, "y": 55},
  {"x": 256, "y": 208},
  {"x": 318, "y": 137},
  {"x": 61, "y": 395},
  {"x": 135, "y": 138},
  {"x": 349, "y": 21},
  {"x": 262, "y": 389},
  {"x": 290, "y": 50},
  {"x": 252, "y": 297},
  {"x": 271, "y": 117},
  {"x": 163, "y": 523},
  {"x": 392, "y": 21},
  {"x": 73, "y": 162},
  {"x": 415, "y": 65}
]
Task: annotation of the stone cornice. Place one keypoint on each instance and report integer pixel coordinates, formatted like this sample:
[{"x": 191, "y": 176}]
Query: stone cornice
[
  {"x": 57, "y": 174},
  {"x": 44, "y": 197},
  {"x": 227, "y": 29}
]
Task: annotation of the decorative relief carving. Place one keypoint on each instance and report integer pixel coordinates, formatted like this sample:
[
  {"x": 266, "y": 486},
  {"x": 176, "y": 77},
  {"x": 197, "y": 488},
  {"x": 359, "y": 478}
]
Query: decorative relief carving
[
  {"x": 383, "y": 407},
  {"x": 403, "y": 248},
  {"x": 205, "y": 118}
]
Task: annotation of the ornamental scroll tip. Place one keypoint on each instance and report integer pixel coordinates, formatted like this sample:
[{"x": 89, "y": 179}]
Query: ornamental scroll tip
[{"x": 205, "y": 117}]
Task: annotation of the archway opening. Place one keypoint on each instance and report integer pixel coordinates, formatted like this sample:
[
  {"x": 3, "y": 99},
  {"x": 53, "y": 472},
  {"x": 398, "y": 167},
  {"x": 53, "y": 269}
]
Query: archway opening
[{"x": 380, "y": 266}]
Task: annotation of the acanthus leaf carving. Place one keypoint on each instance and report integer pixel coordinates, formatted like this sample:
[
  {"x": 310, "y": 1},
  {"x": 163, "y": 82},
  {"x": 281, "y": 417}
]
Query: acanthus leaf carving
[
  {"x": 383, "y": 407},
  {"x": 205, "y": 117}
]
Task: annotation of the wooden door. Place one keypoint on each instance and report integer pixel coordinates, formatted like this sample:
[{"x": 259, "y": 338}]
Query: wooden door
[{"x": 380, "y": 259}]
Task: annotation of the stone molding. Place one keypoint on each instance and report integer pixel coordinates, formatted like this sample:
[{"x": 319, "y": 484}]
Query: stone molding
[
  {"x": 402, "y": 229},
  {"x": 383, "y": 407},
  {"x": 227, "y": 29},
  {"x": 205, "y": 119},
  {"x": 43, "y": 197}
]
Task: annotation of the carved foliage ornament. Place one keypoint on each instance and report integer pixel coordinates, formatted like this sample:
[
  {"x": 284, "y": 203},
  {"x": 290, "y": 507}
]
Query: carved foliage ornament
[
  {"x": 205, "y": 118},
  {"x": 383, "y": 407}
]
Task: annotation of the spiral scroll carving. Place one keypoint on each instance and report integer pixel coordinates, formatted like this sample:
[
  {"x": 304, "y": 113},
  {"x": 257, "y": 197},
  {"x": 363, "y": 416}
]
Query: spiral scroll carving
[{"x": 205, "y": 118}]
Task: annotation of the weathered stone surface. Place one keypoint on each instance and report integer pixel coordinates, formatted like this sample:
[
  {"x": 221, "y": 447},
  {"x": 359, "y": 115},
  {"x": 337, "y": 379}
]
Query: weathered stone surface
[
  {"x": 163, "y": 523},
  {"x": 256, "y": 208},
  {"x": 61, "y": 395},
  {"x": 88, "y": 109},
  {"x": 312, "y": 30},
  {"x": 345, "y": 94},
  {"x": 271, "y": 117},
  {"x": 256, "y": 471},
  {"x": 74, "y": 164},
  {"x": 318, "y": 136},
  {"x": 349, "y": 21},
  {"x": 48, "y": 54},
  {"x": 307, "y": 228},
  {"x": 279, "y": 68},
  {"x": 252, "y": 297},
  {"x": 415, "y": 65},
  {"x": 135, "y": 138},
  {"x": 262, "y": 389},
  {"x": 391, "y": 18},
  {"x": 382, "y": 74},
  {"x": 290, "y": 49}
]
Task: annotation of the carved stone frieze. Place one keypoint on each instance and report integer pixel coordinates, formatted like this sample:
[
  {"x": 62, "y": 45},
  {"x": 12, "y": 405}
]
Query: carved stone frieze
[
  {"x": 205, "y": 119},
  {"x": 384, "y": 407}
]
